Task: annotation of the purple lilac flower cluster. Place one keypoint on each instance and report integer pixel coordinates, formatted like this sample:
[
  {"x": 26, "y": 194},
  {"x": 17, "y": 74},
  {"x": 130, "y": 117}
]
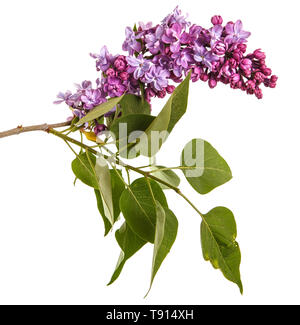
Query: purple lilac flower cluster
[{"x": 160, "y": 55}]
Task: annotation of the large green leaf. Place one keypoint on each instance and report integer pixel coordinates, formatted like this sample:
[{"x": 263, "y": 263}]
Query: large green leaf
[
  {"x": 129, "y": 243},
  {"x": 117, "y": 187},
  {"x": 166, "y": 175},
  {"x": 132, "y": 104},
  {"x": 127, "y": 130},
  {"x": 107, "y": 224},
  {"x": 203, "y": 167},
  {"x": 100, "y": 110},
  {"x": 165, "y": 235},
  {"x": 139, "y": 209},
  {"x": 163, "y": 124},
  {"x": 104, "y": 186},
  {"x": 83, "y": 170},
  {"x": 218, "y": 234}
]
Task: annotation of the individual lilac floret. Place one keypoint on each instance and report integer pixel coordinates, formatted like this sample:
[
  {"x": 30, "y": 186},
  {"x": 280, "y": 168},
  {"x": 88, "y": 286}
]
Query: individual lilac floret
[
  {"x": 92, "y": 98},
  {"x": 103, "y": 60},
  {"x": 158, "y": 77},
  {"x": 138, "y": 65},
  {"x": 84, "y": 85},
  {"x": 114, "y": 87},
  {"x": 217, "y": 20},
  {"x": 202, "y": 55},
  {"x": 62, "y": 97},
  {"x": 235, "y": 33},
  {"x": 176, "y": 17},
  {"x": 144, "y": 27},
  {"x": 173, "y": 36},
  {"x": 131, "y": 44},
  {"x": 153, "y": 40},
  {"x": 215, "y": 34}
]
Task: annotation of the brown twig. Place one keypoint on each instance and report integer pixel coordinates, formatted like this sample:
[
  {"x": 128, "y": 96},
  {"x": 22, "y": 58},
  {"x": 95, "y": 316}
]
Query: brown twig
[{"x": 40, "y": 127}]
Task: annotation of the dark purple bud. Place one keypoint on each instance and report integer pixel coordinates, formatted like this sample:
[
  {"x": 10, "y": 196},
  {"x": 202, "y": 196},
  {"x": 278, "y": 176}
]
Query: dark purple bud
[
  {"x": 120, "y": 63},
  {"x": 242, "y": 47},
  {"x": 260, "y": 77},
  {"x": 219, "y": 48},
  {"x": 258, "y": 93},
  {"x": 170, "y": 89},
  {"x": 212, "y": 83},
  {"x": 124, "y": 75},
  {"x": 246, "y": 64},
  {"x": 99, "y": 128},
  {"x": 162, "y": 93},
  {"x": 258, "y": 54},
  {"x": 235, "y": 78},
  {"x": 267, "y": 72},
  {"x": 110, "y": 72},
  {"x": 217, "y": 20},
  {"x": 204, "y": 77}
]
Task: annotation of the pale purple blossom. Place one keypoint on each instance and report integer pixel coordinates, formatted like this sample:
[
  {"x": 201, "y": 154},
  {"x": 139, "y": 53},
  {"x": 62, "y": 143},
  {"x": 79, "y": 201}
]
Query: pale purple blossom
[
  {"x": 103, "y": 60},
  {"x": 62, "y": 97},
  {"x": 235, "y": 33},
  {"x": 158, "y": 77},
  {"x": 114, "y": 87},
  {"x": 92, "y": 98},
  {"x": 176, "y": 17},
  {"x": 131, "y": 44},
  {"x": 138, "y": 66},
  {"x": 215, "y": 34},
  {"x": 173, "y": 37},
  {"x": 153, "y": 40},
  {"x": 202, "y": 55}
]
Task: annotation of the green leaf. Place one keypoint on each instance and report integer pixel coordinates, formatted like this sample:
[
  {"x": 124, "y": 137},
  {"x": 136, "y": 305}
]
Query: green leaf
[
  {"x": 117, "y": 187},
  {"x": 203, "y": 167},
  {"x": 132, "y": 104},
  {"x": 218, "y": 234},
  {"x": 129, "y": 243},
  {"x": 165, "y": 235},
  {"x": 127, "y": 130},
  {"x": 166, "y": 175},
  {"x": 104, "y": 185},
  {"x": 83, "y": 170},
  {"x": 138, "y": 208},
  {"x": 100, "y": 110},
  {"x": 167, "y": 118},
  {"x": 107, "y": 224}
]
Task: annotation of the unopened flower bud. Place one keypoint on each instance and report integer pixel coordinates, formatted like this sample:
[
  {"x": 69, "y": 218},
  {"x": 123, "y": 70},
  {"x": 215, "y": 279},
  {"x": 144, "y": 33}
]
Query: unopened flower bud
[
  {"x": 246, "y": 64},
  {"x": 170, "y": 89},
  {"x": 274, "y": 79},
  {"x": 267, "y": 72},
  {"x": 204, "y": 77},
  {"x": 124, "y": 75},
  {"x": 110, "y": 72},
  {"x": 217, "y": 20},
  {"x": 258, "y": 54},
  {"x": 212, "y": 83}
]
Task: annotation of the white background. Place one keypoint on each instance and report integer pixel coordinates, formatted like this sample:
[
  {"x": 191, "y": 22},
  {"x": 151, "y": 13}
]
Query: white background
[{"x": 52, "y": 249}]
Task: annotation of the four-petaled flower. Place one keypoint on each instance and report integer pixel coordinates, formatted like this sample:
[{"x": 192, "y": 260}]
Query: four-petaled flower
[
  {"x": 103, "y": 60},
  {"x": 131, "y": 44},
  {"x": 138, "y": 65},
  {"x": 202, "y": 55},
  {"x": 158, "y": 77},
  {"x": 235, "y": 33}
]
